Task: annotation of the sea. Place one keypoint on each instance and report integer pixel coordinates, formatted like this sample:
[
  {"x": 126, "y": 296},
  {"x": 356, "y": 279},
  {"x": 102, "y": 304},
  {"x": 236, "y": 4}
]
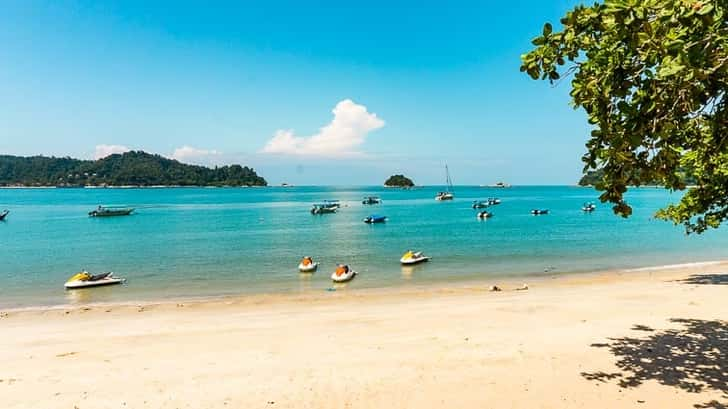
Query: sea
[{"x": 183, "y": 243}]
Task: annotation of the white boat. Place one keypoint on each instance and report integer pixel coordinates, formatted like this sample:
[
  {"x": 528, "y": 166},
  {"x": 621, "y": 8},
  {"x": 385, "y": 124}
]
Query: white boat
[
  {"x": 484, "y": 215},
  {"x": 84, "y": 280},
  {"x": 588, "y": 207},
  {"x": 413, "y": 257},
  {"x": 446, "y": 195},
  {"x": 343, "y": 274},
  {"x": 307, "y": 265}
]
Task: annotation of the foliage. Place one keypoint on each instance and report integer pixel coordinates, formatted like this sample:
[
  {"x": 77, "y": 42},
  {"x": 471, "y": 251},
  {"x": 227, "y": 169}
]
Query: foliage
[
  {"x": 399, "y": 181},
  {"x": 134, "y": 168},
  {"x": 652, "y": 77},
  {"x": 594, "y": 177}
]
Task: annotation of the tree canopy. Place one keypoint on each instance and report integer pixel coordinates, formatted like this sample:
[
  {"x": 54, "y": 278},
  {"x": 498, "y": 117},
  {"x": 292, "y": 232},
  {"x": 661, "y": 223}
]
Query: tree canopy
[
  {"x": 652, "y": 77},
  {"x": 134, "y": 168},
  {"x": 399, "y": 181}
]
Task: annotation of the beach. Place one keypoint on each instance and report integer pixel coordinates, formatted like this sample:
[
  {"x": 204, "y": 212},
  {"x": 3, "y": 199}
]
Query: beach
[{"x": 647, "y": 338}]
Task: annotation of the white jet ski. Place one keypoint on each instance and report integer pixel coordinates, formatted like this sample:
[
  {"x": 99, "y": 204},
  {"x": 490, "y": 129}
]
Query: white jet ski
[
  {"x": 307, "y": 265},
  {"x": 343, "y": 274},
  {"x": 411, "y": 257},
  {"x": 84, "y": 280}
]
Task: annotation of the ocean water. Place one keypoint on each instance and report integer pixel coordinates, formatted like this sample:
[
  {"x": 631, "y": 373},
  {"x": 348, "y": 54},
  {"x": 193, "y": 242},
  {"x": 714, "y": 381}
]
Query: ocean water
[{"x": 197, "y": 242}]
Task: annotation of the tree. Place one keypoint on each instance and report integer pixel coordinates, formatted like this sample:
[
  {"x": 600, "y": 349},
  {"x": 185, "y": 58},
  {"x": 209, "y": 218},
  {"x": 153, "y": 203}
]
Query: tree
[{"x": 652, "y": 77}]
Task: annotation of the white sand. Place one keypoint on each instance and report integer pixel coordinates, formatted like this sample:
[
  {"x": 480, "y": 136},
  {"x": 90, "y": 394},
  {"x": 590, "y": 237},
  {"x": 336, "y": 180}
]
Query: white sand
[{"x": 457, "y": 347}]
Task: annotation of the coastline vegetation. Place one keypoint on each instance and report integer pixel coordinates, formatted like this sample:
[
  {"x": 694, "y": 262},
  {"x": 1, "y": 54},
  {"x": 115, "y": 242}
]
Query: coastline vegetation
[{"x": 135, "y": 168}]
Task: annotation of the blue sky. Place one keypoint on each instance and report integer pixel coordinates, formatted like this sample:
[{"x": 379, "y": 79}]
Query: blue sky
[{"x": 414, "y": 85}]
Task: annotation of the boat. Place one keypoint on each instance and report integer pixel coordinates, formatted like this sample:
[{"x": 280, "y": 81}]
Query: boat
[
  {"x": 484, "y": 215},
  {"x": 108, "y": 211},
  {"x": 307, "y": 265},
  {"x": 375, "y": 219},
  {"x": 539, "y": 211},
  {"x": 446, "y": 195},
  {"x": 323, "y": 208},
  {"x": 85, "y": 280},
  {"x": 480, "y": 204},
  {"x": 500, "y": 185},
  {"x": 343, "y": 274},
  {"x": 413, "y": 257},
  {"x": 4, "y": 214},
  {"x": 371, "y": 200},
  {"x": 332, "y": 203},
  {"x": 494, "y": 201},
  {"x": 588, "y": 207}
]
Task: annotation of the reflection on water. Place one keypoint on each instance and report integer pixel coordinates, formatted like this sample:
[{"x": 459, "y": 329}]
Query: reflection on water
[{"x": 407, "y": 272}]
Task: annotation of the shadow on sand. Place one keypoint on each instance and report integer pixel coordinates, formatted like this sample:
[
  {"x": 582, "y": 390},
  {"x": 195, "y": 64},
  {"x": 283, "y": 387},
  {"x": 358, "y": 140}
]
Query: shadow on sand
[
  {"x": 693, "y": 358},
  {"x": 710, "y": 279}
]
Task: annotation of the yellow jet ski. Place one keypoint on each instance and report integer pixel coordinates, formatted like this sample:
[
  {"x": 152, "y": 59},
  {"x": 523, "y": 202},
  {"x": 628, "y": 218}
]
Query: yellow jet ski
[{"x": 84, "y": 280}]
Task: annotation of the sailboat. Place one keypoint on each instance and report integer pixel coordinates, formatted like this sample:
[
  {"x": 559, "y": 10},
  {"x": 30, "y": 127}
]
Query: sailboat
[{"x": 446, "y": 195}]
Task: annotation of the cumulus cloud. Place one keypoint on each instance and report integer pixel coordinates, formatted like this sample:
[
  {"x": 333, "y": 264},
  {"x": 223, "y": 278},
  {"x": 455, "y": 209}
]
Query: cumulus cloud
[
  {"x": 103, "y": 151},
  {"x": 189, "y": 154},
  {"x": 341, "y": 137}
]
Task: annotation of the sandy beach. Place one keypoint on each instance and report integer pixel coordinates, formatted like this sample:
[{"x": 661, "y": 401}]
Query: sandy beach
[{"x": 653, "y": 338}]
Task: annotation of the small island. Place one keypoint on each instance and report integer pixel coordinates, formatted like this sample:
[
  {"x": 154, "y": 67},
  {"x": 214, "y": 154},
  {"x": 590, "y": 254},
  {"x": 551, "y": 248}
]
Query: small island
[
  {"x": 135, "y": 168},
  {"x": 399, "y": 181}
]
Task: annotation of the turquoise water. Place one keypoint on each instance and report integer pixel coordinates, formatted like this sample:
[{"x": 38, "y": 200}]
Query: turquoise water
[{"x": 191, "y": 242}]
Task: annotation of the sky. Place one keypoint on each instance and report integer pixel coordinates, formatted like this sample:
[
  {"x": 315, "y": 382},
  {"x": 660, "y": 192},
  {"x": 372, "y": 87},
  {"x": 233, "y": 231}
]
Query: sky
[{"x": 307, "y": 93}]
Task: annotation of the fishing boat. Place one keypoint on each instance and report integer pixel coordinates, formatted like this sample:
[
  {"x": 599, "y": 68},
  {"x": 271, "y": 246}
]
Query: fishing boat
[
  {"x": 375, "y": 219},
  {"x": 480, "y": 204},
  {"x": 4, "y": 214},
  {"x": 536, "y": 212},
  {"x": 343, "y": 273},
  {"x": 85, "y": 280},
  {"x": 413, "y": 257},
  {"x": 307, "y": 265},
  {"x": 588, "y": 207},
  {"x": 446, "y": 195},
  {"x": 484, "y": 215},
  {"x": 108, "y": 211},
  {"x": 371, "y": 200},
  {"x": 323, "y": 208}
]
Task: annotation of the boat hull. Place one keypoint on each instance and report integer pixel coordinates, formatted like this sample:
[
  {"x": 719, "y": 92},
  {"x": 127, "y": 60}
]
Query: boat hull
[
  {"x": 416, "y": 260},
  {"x": 308, "y": 269},
  {"x": 110, "y": 213},
  {"x": 72, "y": 285}
]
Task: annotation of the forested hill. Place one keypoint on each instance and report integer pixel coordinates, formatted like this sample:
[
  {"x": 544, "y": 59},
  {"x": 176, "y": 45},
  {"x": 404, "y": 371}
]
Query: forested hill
[
  {"x": 592, "y": 177},
  {"x": 134, "y": 168}
]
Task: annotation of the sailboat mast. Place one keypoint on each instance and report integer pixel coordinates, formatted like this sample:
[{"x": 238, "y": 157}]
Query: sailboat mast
[{"x": 447, "y": 179}]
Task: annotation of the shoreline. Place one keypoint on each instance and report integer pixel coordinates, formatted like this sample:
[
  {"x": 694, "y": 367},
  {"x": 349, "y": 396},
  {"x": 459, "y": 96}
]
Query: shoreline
[
  {"x": 648, "y": 339},
  {"x": 506, "y": 283}
]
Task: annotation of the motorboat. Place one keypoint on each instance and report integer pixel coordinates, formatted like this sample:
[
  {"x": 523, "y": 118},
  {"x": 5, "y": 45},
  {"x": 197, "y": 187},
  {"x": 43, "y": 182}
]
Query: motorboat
[
  {"x": 480, "y": 204},
  {"x": 332, "y": 203},
  {"x": 375, "y": 219},
  {"x": 494, "y": 201},
  {"x": 539, "y": 211},
  {"x": 84, "y": 279},
  {"x": 588, "y": 207},
  {"x": 4, "y": 214},
  {"x": 108, "y": 211},
  {"x": 371, "y": 200},
  {"x": 446, "y": 195},
  {"x": 323, "y": 208},
  {"x": 501, "y": 185},
  {"x": 307, "y": 265},
  {"x": 484, "y": 215},
  {"x": 413, "y": 257},
  {"x": 343, "y": 273}
]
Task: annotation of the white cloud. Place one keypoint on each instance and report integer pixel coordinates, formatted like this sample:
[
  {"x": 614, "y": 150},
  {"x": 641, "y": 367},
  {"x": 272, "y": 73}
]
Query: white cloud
[
  {"x": 103, "y": 151},
  {"x": 346, "y": 132},
  {"x": 189, "y": 154}
]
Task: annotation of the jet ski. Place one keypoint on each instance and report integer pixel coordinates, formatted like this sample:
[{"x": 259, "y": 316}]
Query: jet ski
[
  {"x": 413, "y": 257},
  {"x": 343, "y": 274},
  {"x": 375, "y": 219},
  {"x": 484, "y": 215},
  {"x": 539, "y": 211},
  {"x": 589, "y": 207},
  {"x": 84, "y": 279},
  {"x": 307, "y": 265}
]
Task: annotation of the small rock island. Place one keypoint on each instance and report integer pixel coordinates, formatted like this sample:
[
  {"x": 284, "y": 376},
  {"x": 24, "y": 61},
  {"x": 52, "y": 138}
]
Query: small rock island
[{"x": 399, "y": 181}]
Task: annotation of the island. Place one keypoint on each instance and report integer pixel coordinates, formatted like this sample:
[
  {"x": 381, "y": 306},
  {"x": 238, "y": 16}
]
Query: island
[
  {"x": 594, "y": 177},
  {"x": 134, "y": 168},
  {"x": 399, "y": 181}
]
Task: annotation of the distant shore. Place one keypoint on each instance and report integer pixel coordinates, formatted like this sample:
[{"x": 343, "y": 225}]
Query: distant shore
[{"x": 566, "y": 342}]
